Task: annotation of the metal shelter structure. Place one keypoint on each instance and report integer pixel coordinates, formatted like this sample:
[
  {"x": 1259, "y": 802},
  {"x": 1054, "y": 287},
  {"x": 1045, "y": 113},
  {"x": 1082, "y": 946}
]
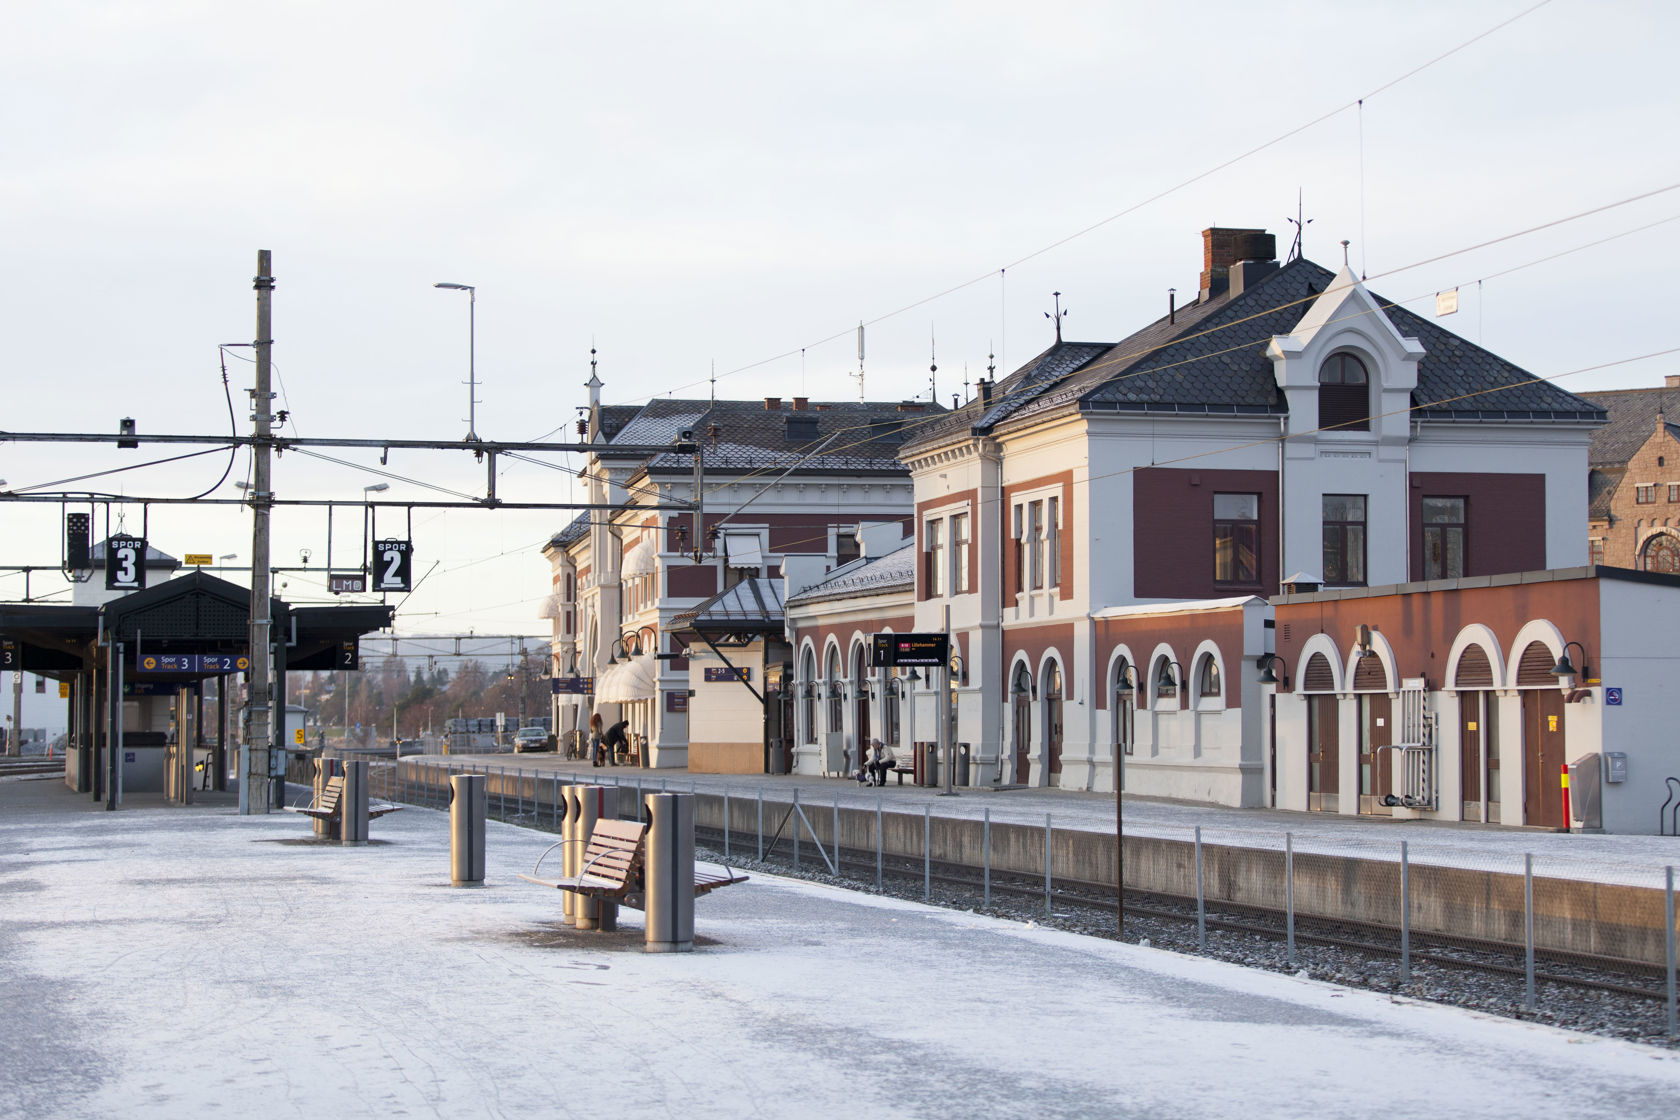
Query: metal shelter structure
[{"x": 168, "y": 640}]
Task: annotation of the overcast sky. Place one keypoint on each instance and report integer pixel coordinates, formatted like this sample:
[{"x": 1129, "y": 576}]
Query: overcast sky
[{"x": 684, "y": 184}]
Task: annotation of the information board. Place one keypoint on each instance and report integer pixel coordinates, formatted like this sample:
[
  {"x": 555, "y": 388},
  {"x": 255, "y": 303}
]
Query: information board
[{"x": 920, "y": 649}]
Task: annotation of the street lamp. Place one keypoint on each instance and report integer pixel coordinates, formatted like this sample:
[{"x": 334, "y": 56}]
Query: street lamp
[
  {"x": 472, "y": 375},
  {"x": 376, "y": 488}
]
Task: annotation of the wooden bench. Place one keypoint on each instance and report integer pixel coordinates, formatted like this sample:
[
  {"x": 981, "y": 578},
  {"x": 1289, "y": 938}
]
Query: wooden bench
[
  {"x": 330, "y": 805},
  {"x": 614, "y": 866}
]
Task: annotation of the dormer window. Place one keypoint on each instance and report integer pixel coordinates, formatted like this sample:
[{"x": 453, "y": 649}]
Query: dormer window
[
  {"x": 1344, "y": 394},
  {"x": 801, "y": 429}
]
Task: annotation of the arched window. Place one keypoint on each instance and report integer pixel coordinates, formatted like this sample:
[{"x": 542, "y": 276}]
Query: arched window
[
  {"x": 1660, "y": 554},
  {"x": 808, "y": 693},
  {"x": 1165, "y": 676},
  {"x": 1344, "y": 394},
  {"x": 1207, "y": 681}
]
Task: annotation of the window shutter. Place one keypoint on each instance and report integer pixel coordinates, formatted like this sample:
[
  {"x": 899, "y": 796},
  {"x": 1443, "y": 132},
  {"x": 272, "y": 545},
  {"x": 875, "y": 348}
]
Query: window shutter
[
  {"x": 1345, "y": 408},
  {"x": 1370, "y": 675},
  {"x": 1319, "y": 677},
  {"x": 1535, "y": 668},
  {"x": 1474, "y": 670}
]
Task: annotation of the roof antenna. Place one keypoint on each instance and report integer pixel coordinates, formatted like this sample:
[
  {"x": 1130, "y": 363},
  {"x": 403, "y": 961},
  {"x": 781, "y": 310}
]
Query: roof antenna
[
  {"x": 933, "y": 369},
  {"x": 1058, "y": 316},
  {"x": 1345, "y": 245},
  {"x": 859, "y": 373},
  {"x": 714, "y": 382},
  {"x": 1300, "y": 223},
  {"x": 1172, "y": 305}
]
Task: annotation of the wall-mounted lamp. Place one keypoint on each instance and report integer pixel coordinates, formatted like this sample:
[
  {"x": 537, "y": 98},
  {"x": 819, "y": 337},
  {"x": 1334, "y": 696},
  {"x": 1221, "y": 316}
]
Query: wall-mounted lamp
[
  {"x": 1362, "y": 641},
  {"x": 1268, "y": 675},
  {"x": 1023, "y": 689},
  {"x": 1563, "y": 668},
  {"x": 959, "y": 670},
  {"x": 1125, "y": 682},
  {"x": 1167, "y": 683}
]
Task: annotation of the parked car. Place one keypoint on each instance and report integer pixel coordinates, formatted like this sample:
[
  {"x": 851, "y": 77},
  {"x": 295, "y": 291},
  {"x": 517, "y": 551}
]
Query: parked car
[{"x": 530, "y": 739}]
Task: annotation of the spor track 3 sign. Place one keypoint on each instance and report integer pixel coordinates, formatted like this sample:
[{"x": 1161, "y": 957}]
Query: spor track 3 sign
[{"x": 125, "y": 563}]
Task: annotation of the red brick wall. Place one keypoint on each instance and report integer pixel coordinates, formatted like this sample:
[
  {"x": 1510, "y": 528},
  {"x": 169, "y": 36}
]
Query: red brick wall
[
  {"x": 1172, "y": 531},
  {"x": 1064, "y": 566},
  {"x": 927, "y": 508},
  {"x": 1184, "y": 632},
  {"x": 1505, "y": 520}
]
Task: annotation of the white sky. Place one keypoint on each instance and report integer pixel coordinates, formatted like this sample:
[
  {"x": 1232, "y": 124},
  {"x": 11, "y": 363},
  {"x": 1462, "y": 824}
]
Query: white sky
[{"x": 680, "y": 184}]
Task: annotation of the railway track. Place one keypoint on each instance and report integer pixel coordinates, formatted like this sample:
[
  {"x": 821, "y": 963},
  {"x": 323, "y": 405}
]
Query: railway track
[{"x": 1600, "y": 974}]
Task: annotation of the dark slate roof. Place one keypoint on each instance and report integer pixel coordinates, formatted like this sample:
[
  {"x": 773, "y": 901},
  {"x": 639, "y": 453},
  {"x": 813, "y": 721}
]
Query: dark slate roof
[
  {"x": 1633, "y": 420},
  {"x": 574, "y": 531},
  {"x": 848, "y": 437},
  {"x": 615, "y": 416},
  {"x": 1210, "y": 359},
  {"x": 752, "y": 604},
  {"x": 897, "y": 569},
  {"x": 1601, "y": 488}
]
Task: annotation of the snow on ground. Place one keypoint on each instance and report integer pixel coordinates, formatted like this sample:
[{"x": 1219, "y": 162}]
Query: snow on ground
[
  {"x": 1631, "y": 860},
  {"x": 161, "y": 962}
]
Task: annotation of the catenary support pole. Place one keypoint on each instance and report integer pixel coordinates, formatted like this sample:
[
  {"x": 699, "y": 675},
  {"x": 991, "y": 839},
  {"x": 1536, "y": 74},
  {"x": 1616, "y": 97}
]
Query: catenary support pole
[{"x": 254, "y": 774}]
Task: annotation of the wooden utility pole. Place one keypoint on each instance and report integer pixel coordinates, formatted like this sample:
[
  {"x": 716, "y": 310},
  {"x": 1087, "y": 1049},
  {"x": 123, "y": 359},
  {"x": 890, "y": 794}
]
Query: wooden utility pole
[{"x": 254, "y": 784}]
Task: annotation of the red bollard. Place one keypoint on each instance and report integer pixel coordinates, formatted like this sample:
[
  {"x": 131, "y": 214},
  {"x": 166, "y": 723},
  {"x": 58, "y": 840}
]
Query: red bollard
[{"x": 1565, "y": 780}]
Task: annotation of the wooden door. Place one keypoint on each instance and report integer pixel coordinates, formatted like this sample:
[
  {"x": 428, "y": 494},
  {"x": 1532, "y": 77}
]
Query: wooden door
[
  {"x": 1023, "y": 738},
  {"x": 1323, "y": 749},
  {"x": 1470, "y": 765},
  {"x": 1543, "y": 754}
]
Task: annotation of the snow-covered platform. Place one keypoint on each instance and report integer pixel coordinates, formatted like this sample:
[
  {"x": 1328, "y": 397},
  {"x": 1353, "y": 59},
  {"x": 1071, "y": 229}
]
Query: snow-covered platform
[
  {"x": 1630, "y": 860},
  {"x": 160, "y": 962}
]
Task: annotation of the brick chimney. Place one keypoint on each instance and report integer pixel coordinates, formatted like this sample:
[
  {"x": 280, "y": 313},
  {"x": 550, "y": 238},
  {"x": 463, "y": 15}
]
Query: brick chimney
[
  {"x": 772, "y": 404},
  {"x": 800, "y": 404},
  {"x": 1222, "y": 248}
]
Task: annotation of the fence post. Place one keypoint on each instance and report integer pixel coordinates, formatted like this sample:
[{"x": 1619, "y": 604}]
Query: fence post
[
  {"x": 556, "y": 814},
  {"x": 1201, "y": 905},
  {"x": 1047, "y": 864},
  {"x": 880, "y": 842},
  {"x": 1528, "y": 930},
  {"x": 836, "y": 832},
  {"x": 761, "y": 826},
  {"x": 1289, "y": 893},
  {"x": 725, "y": 822},
  {"x": 1405, "y": 915},
  {"x": 1673, "y": 1016},
  {"x": 519, "y": 793},
  {"x": 927, "y": 853},
  {"x": 986, "y": 855},
  {"x": 795, "y": 820}
]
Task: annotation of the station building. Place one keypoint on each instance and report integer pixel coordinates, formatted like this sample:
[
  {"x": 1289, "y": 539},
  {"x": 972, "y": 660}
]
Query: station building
[{"x": 783, "y": 479}]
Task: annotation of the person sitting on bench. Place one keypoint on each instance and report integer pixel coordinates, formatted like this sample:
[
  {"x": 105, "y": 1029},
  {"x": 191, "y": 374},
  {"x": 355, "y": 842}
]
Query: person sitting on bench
[{"x": 881, "y": 762}]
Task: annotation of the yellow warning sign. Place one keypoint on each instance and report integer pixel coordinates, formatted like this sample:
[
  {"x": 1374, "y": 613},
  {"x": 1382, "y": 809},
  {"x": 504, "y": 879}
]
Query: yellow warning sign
[
  {"x": 63, "y": 690},
  {"x": 200, "y": 559},
  {"x": 1551, "y": 723},
  {"x": 297, "y": 736}
]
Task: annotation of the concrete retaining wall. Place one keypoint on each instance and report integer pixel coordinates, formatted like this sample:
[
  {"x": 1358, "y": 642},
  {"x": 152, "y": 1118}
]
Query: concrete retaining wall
[{"x": 1571, "y": 916}]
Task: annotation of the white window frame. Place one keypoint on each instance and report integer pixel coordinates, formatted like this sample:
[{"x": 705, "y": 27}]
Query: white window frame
[{"x": 933, "y": 543}]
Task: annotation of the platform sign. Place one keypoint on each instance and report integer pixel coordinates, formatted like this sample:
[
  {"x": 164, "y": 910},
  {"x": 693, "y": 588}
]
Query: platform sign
[
  {"x": 198, "y": 560},
  {"x": 347, "y": 583},
  {"x": 10, "y": 656},
  {"x": 727, "y": 673},
  {"x": 880, "y": 651},
  {"x": 574, "y": 686},
  {"x": 393, "y": 565},
  {"x": 213, "y": 663},
  {"x": 349, "y": 655},
  {"x": 125, "y": 563},
  {"x": 1613, "y": 697},
  {"x": 921, "y": 649}
]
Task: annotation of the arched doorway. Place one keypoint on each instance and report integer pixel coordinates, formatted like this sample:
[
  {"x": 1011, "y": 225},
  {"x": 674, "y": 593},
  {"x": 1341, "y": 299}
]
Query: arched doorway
[
  {"x": 1318, "y": 684},
  {"x": 1053, "y": 723},
  {"x": 1124, "y": 692},
  {"x": 834, "y": 686},
  {"x": 1544, "y": 748},
  {"x": 1478, "y": 736},
  {"x": 860, "y": 711},
  {"x": 1374, "y": 726},
  {"x": 1020, "y": 698},
  {"x": 808, "y": 695}
]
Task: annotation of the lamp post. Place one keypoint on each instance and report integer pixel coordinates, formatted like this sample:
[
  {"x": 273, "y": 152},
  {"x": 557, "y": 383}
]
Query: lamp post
[
  {"x": 472, "y": 373},
  {"x": 1125, "y": 687}
]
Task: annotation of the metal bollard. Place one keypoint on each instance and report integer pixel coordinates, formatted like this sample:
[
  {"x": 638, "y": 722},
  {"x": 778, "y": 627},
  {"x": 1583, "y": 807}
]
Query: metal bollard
[
  {"x": 469, "y": 809},
  {"x": 570, "y": 849},
  {"x": 353, "y": 806},
  {"x": 670, "y": 873}
]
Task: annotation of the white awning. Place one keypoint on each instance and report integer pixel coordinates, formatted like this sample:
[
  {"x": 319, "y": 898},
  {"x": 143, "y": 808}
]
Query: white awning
[
  {"x": 741, "y": 550},
  {"x": 639, "y": 561},
  {"x": 628, "y": 681}
]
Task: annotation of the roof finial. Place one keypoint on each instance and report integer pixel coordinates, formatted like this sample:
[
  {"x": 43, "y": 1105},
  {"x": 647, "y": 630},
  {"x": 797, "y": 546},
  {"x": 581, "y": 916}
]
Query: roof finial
[
  {"x": 1345, "y": 244},
  {"x": 1058, "y": 316},
  {"x": 1300, "y": 222}
]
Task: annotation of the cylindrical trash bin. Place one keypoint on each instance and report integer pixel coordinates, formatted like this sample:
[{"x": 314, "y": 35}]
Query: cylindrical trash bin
[
  {"x": 962, "y": 764},
  {"x": 930, "y": 765},
  {"x": 669, "y": 899},
  {"x": 353, "y": 803},
  {"x": 469, "y": 809},
  {"x": 778, "y": 757}
]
